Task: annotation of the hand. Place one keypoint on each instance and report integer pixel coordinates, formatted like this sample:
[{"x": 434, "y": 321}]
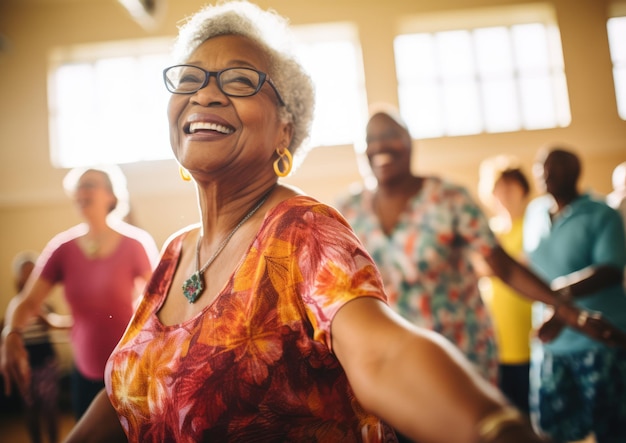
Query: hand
[
  {"x": 595, "y": 326},
  {"x": 592, "y": 324},
  {"x": 550, "y": 329},
  {"x": 14, "y": 364}
]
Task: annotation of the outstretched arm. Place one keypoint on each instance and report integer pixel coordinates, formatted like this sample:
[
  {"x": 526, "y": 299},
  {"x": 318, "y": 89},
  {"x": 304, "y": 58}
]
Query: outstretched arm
[
  {"x": 528, "y": 284},
  {"x": 416, "y": 380},
  {"x": 99, "y": 424},
  {"x": 587, "y": 281}
]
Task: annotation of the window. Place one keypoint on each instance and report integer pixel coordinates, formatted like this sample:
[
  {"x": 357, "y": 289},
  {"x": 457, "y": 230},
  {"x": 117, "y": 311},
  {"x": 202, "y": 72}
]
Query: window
[
  {"x": 331, "y": 55},
  {"x": 495, "y": 78},
  {"x": 107, "y": 102},
  {"x": 616, "y": 27}
]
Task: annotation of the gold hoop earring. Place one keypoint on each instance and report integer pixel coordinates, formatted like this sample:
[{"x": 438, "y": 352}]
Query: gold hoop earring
[
  {"x": 285, "y": 160},
  {"x": 184, "y": 174}
]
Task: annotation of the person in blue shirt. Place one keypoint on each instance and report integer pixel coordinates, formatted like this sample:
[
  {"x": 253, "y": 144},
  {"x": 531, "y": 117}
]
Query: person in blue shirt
[{"x": 576, "y": 244}]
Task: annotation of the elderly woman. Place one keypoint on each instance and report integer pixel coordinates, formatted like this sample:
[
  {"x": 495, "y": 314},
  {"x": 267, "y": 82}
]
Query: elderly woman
[
  {"x": 268, "y": 321},
  {"x": 102, "y": 265}
]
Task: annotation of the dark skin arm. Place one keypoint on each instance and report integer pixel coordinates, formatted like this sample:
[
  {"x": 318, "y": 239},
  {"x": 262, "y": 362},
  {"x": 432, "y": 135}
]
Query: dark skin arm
[
  {"x": 528, "y": 284},
  {"x": 395, "y": 368},
  {"x": 589, "y": 280},
  {"x": 99, "y": 424},
  {"x": 579, "y": 284},
  {"x": 414, "y": 379}
]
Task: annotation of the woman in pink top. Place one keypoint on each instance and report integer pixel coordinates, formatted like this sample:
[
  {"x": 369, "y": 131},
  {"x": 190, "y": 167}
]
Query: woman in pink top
[{"x": 102, "y": 264}]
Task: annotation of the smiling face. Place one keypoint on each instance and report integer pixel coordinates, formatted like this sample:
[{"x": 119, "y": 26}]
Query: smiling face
[
  {"x": 213, "y": 133},
  {"x": 388, "y": 149},
  {"x": 94, "y": 195}
]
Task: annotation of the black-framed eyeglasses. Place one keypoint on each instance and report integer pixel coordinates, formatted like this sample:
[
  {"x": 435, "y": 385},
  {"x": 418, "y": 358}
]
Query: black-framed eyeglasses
[{"x": 234, "y": 82}]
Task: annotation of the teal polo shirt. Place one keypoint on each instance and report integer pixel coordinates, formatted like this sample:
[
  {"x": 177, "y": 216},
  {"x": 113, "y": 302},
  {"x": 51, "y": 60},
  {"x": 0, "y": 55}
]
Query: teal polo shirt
[{"x": 586, "y": 233}]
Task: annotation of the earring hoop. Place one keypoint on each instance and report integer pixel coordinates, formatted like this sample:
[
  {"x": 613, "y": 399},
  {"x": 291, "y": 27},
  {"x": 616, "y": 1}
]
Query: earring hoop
[
  {"x": 284, "y": 160},
  {"x": 184, "y": 174}
]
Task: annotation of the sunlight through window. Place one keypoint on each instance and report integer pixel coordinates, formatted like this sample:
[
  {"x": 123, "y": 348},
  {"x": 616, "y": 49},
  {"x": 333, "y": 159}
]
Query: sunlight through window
[
  {"x": 617, "y": 43},
  {"x": 332, "y": 56},
  {"x": 91, "y": 88},
  {"x": 484, "y": 79}
]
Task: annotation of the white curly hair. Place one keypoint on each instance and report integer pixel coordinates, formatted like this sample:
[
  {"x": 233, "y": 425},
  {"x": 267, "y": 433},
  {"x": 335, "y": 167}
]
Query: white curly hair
[{"x": 271, "y": 31}]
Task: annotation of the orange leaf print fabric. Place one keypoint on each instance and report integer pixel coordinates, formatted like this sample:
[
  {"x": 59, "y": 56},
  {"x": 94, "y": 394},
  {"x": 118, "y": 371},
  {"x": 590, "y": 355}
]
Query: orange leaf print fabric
[{"x": 256, "y": 365}]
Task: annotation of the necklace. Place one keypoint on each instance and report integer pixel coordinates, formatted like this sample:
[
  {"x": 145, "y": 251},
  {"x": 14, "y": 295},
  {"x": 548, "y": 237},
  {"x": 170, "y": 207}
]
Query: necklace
[
  {"x": 92, "y": 247},
  {"x": 194, "y": 285}
]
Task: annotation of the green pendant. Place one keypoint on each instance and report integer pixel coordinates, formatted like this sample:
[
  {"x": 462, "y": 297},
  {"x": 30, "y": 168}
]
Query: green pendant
[{"x": 193, "y": 287}]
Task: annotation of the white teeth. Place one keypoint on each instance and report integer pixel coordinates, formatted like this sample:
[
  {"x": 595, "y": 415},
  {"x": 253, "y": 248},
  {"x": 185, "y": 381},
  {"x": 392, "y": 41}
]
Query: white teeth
[
  {"x": 381, "y": 159},
  {"x": 209, "y": 126}
]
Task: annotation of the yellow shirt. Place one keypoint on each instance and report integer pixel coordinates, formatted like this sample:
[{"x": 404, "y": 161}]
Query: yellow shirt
[{"x": 510, "y": 311}]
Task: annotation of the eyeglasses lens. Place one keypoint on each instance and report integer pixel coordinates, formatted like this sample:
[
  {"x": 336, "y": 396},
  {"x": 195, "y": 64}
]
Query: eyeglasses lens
[{"x": 236, "y": 82}]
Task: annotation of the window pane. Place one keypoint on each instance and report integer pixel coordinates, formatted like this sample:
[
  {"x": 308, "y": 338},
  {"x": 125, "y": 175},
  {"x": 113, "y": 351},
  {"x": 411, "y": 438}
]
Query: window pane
[
  {"x": 90, "y": 118},
  {"x": 495, "y": 67},
  {"x": 561, "y": 99},
  {"x": 501, "y": 105},
  {"x": 332, "y": 65},
  {"x": 617, "y": 39},
  {"x": 75, "y": 102},
  {"x": 455, "y": 54},
  {"x": 619, "y": 77},
  {"x": 462, "y": 107},
  {"x": 493, "y": 51},
  {"x": 530, "y": 44},
  {"x": 331, "y": 55},
  {"x": 421, "y": 108},
  {"x": 422, "y": 63},
  {"x": 538, "y": 113},
  {"x": 490, "y": 76},
  {"x": 617, "y": 43},
  {"x": 155, "y": 132},
  {"x": 493, "y": 79}
]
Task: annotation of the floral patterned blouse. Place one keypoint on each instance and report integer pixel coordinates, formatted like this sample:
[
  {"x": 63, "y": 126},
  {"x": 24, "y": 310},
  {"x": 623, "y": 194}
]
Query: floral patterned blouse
[
  {"x": 425, "y": 264},
  {"x": 256, "y": 365}
]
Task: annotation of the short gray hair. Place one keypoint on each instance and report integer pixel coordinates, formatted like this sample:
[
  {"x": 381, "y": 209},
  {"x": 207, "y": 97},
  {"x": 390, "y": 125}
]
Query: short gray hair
[{"x": 269, "y": 30}]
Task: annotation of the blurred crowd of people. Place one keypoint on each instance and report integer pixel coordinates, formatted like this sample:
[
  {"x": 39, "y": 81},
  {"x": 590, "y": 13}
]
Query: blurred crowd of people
[
  {"x": 404, "y": 305},
  {"x": 449, "y": 267}
]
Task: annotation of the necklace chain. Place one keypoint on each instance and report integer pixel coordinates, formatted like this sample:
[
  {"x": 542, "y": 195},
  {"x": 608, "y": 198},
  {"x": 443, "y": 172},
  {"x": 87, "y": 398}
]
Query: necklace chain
[{"x": 194, "y": 285}]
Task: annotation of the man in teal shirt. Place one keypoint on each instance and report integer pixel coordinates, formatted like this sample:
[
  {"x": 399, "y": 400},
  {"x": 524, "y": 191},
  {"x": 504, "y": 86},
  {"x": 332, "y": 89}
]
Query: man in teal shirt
[{"x": 577, "y": 245}]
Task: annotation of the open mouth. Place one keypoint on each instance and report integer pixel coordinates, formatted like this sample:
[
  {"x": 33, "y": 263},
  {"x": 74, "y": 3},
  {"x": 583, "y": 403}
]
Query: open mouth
[
  {"x": 210, "y": 127},
  {"x": 381, "y": 159}
]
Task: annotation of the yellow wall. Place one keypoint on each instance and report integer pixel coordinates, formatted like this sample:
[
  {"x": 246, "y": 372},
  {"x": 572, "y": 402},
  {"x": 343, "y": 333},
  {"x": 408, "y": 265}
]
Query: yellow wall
[{"x": 33, "y": 207}]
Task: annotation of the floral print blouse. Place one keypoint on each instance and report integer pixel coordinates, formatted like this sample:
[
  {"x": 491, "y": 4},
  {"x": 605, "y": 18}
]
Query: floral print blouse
[
  {"x": 256, "y": 365},
  {"x": 425, "y": 264}
]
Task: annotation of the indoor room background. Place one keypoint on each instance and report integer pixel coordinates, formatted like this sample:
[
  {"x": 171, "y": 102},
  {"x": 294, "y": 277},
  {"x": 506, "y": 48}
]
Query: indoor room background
[{"x": 33, "y": 206}]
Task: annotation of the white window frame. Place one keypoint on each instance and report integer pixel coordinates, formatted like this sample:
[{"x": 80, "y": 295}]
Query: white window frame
[{"x": 441, "y": 112}]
